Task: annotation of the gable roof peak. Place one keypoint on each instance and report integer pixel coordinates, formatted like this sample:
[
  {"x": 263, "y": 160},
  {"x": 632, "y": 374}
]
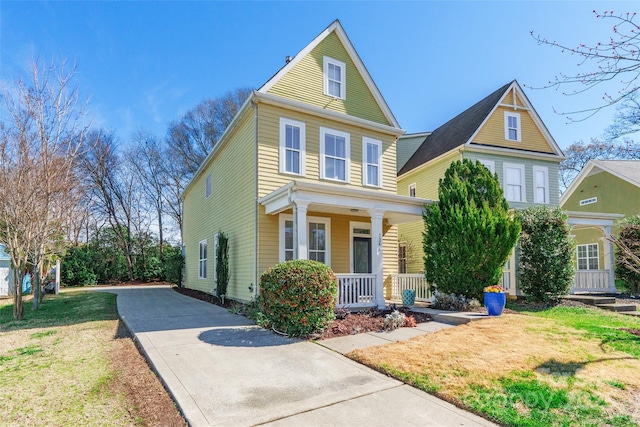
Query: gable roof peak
[{"x": 336, "y": 27}]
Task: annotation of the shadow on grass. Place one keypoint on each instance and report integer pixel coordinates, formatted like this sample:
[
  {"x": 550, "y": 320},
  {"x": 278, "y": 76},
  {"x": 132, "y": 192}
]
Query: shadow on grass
[
  {"x": 570, "y": 369},
  {"x": 62, "y": 309}
]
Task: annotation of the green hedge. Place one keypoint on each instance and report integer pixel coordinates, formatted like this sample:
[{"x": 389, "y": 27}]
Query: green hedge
[{"x": 298, "y": 297}]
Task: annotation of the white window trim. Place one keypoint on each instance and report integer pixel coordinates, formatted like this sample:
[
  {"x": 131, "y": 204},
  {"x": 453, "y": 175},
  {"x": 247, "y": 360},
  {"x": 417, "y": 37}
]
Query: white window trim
[
  {"x": 508, "y": 114},
  {"x": 283, "y": 148},
  {"x": 588, "y": 201},
  {"x": 343, "y": 76},
  {"x": 489, "y": 164},
  {"x": 365, "y": 175},
  {"x": 201, "y": 260},
  {"x": 597, "y": 257},
  {"x": 410, "y": 187},
  {"x": 317, "y": 219},
  {"x": 352, "y": 225},
  {"x": 406, "y": 258},
  {"x": 505, "y": 166},
  {"x": 546, "y": 185},
  {"x": 347, "y": 149},
  {"x": 208, "y": 186}
]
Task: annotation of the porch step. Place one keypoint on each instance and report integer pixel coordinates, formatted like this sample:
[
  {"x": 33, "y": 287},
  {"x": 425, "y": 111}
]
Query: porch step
[
  {"x": 591, "y": 300},
  {"x": 631, "y": 313},
  {"x": 619, "y": 307},
  {"x": 451, "y": 317}
]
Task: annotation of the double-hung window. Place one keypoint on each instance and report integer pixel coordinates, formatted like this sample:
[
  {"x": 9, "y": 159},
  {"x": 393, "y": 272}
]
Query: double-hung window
[
  {"x": 489, "y": 164},
  {"x": 334, "y": 77},
  {"x": 371, "y": 162},
  {"x": 512, "y": 130},
  {"x": 318, "y": 239},
  {"x": 334, "y": 155},
  {"x": 202, "y": 260},
  {"x": 402, "y": 258},
  {"x": 292, "y": 146},
  {"x": 540, "y": 185},
  {"x": 587, "y": 256},
  {"x": 514, "y": 182}
]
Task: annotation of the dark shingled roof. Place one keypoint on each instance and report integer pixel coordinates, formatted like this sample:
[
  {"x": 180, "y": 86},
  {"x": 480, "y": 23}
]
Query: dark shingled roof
[{"x": 455, "y": 132}]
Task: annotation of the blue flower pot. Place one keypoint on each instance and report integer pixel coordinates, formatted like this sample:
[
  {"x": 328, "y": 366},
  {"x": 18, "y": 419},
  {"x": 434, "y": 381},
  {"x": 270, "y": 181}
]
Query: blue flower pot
[
  {"x": 408, "y": 297},
  {"x": 495, "y": 302}
]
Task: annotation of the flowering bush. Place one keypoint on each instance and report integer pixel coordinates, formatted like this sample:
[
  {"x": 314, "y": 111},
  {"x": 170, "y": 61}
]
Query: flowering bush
[
  {"x": 298, "y": 297},
  {"x": 494, "y": 289}
]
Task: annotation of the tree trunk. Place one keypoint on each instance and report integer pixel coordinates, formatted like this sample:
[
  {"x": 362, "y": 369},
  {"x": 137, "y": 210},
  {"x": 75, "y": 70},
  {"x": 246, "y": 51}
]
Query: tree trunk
[
  {"x": 35, "y": 284},
  {"x": 18, "y": 310}
]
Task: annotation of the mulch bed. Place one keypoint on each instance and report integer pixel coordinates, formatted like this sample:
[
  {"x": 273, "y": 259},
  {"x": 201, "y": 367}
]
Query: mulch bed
[
  {"x": 203, "y": 296},
  {"x": 345, "y": 324}
]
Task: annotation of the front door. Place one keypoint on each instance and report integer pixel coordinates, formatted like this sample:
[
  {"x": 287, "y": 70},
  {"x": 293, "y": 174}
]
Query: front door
[{"x": 362, "y": 255}]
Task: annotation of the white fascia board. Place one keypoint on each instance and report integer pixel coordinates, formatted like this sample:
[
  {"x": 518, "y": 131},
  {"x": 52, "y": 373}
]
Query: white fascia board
[
  {"x": 576, "y": 182},
  {"x": 220, "y": 142},
  {"x": 328, "y": 114},
  {"x": 536, "y": 118},
  {"x": 286, "y": 196},
  {"x": 474, "y": 148},
  {"x": 362, "y": 69}
]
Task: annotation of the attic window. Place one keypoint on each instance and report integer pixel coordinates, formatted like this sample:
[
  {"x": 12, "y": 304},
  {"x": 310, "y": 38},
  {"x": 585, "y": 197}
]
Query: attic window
[
  {"x": 512, "y": 130},
  {"x": 334, "y": 77}
]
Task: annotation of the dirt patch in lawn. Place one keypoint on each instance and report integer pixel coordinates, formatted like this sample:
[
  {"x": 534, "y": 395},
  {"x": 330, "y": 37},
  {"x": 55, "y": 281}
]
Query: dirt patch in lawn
[{"x": 146, "y": 398}]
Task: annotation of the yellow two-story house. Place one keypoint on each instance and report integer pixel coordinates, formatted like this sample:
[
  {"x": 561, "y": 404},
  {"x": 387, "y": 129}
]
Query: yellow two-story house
[
  {"x": 505, "y": 133},
  {"x": 306, "y": 170}
]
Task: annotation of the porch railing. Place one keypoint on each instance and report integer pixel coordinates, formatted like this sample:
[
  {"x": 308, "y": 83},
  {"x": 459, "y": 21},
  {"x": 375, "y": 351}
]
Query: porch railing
[
  {"x": 356, "y": 290},
  {"x": 591, "y": 281},
  {"x": 417, "y": 282}
]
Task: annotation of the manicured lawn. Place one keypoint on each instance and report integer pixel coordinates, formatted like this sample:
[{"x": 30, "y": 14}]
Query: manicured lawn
[
  {"x": 564, "y": 366},
  {"x": 60, "y": 365}
]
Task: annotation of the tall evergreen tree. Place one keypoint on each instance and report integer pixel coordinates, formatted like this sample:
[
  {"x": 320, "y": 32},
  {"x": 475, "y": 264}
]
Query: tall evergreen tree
[{"x": 470, "y": 233}]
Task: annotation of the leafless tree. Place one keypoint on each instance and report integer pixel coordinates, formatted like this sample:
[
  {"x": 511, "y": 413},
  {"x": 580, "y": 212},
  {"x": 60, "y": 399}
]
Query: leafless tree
[
  {"x": 41, "y": 133},
  {"x": 113, "y": 189},
  {"x": 146, "y": 158},
  {"x": 191, "y": 138},
  {"x": 613, "y": 62},
  {"x": 579, "y": 154}
]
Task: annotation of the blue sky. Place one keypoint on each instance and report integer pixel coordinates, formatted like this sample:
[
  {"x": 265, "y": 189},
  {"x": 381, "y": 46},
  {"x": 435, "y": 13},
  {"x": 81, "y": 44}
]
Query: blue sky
[{"x": 143, "y": 64}]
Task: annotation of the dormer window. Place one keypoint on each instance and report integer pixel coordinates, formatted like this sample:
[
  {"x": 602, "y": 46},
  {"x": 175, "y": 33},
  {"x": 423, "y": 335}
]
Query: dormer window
[
  {"x": 334, "y": 78},
  {"x": 512, "y": 130}
]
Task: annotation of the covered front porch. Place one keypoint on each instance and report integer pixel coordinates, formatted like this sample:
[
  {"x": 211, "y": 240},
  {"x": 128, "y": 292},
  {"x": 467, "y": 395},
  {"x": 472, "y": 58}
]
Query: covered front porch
[
  {"x": 352, "y": 230},
  {"x": 594, "y": 253}
]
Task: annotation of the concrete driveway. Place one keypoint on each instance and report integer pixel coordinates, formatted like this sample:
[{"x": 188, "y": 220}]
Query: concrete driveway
[{"x": 224, "y": 370}]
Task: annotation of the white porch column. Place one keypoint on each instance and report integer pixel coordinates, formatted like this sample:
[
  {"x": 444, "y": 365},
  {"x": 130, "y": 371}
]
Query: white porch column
[
  {"x": 300, "y": 229},
  {"x": 376, "y": 256},
  {"x": 609, "y": 262}
]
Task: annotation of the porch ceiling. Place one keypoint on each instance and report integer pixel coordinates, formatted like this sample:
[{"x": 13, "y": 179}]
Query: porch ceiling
[{"x": 344, "y": 201}]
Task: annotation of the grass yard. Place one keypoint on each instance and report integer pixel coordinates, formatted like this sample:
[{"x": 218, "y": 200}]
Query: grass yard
[
  {"x": 70, "y": 363},
  {"x": 564, "y": 366}
]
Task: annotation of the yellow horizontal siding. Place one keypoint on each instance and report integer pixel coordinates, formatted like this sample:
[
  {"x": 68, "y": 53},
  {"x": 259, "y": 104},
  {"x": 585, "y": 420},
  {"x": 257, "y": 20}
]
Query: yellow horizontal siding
[
  {"x": 270, "y": 177},
  {"x": 304, "y": 82},
  {"x": 230, "y": 209},
  {"x": 585, "y": 236},
  {"x": 614, "y": 195},
  {"x": 410, "y": 233},
  {"x": 269, "y": 242},
  {"x": 492, "y": 133},
  {"x": 426, "y": 179}
]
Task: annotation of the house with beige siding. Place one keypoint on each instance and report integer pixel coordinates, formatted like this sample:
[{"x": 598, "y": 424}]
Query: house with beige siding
[
  {"x": 306, "y": 170},
  {"x": 505, "y": 133},
  {"x": 604, "y": 192}
]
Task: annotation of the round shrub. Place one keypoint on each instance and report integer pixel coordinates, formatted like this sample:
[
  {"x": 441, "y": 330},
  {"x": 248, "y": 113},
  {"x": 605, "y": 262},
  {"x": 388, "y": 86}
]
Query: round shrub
[{"x": 298, "y": 297}]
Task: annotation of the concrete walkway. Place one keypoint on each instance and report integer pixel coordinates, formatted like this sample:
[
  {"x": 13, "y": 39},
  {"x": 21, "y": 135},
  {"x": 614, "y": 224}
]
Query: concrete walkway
[{"x": 223, "y": 370}]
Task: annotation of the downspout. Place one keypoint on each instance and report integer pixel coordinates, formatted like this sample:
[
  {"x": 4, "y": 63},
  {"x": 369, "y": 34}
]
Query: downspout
[{"x": 256, "y": 206}]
